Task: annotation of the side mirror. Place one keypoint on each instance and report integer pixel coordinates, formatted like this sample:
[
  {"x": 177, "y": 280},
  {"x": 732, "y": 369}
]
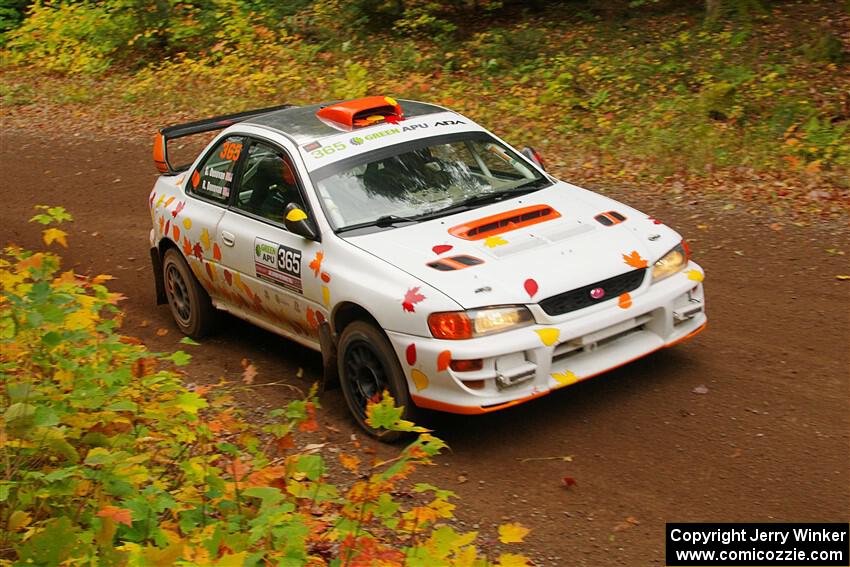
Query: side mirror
[
  {"x": 297, "y": 222},
  {"x": 532, "y": 154}
]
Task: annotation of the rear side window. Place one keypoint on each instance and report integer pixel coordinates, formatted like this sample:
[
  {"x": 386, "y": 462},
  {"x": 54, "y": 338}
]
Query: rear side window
[{"x": 213, "y": 180}]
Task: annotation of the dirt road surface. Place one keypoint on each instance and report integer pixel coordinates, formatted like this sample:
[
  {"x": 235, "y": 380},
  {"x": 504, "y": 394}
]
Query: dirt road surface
[{"x": 767, "y": 442}]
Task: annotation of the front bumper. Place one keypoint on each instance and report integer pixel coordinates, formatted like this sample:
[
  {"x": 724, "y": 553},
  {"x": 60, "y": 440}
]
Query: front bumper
[{"x": 530, "y": 362}]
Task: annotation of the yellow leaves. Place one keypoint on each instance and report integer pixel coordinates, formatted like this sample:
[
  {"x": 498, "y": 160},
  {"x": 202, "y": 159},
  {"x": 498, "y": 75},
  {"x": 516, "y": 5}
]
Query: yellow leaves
[
  {"x": 548, "y": 336},
  {"x": 51, "y": 235},
  {"x": 493, "y": 241},
  {"x": 420, "y": 380},
  {"x": 101, "y": 278},
  {"x": 512, "y": 533},
  {"x": 512, "y": 560},
  {"x": 156, "y": 557},
  {"x": 18, "y": 519},
  {"x": 695, "y": 275},
  {"x": 565, "y": 378},
  {"x": 296, "y": 215},
  {"x": 350, "y": 462},
  {"x": 326, "y": 296},
  {"x": 205, "y": 239}
]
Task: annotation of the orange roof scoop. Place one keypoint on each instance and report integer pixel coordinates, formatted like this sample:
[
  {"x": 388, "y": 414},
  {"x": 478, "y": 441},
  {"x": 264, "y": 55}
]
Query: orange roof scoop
[{"x": 361, "y": 112}]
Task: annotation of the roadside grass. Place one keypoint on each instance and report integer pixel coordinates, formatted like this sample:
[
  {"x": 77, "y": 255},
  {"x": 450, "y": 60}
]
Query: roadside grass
[{"x": 754, "y": 110}]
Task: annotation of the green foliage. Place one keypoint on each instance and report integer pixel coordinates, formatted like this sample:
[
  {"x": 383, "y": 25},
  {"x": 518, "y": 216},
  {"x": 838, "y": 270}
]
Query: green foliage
[
  {"x": 73, "y": 37},
  {"x": 12, "y": 13},
  {"x": 107, "y": 458}
]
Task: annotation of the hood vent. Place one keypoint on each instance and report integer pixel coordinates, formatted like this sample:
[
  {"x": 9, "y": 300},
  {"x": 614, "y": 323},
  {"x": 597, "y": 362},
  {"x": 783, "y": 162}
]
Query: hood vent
[
  {"x": 504, "y": 222},
  {"x": 455, "y": 263}
]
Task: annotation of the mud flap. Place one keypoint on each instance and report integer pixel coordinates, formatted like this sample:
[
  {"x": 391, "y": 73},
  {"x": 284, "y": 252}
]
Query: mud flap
[
  {"x": 159, "y": 281},
  {"x": 330, "y": 374}
]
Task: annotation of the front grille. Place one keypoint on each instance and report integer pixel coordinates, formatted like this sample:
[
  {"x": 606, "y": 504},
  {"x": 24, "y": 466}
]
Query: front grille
[{"x": 580, "y": 298}]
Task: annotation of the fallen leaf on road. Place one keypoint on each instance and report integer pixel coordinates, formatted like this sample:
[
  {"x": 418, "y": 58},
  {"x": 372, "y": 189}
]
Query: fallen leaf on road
[
  {"x": 461, "y": 478},
  {"x": 161, "y": 332},
  {"x": 249, "y": 372},
  {"x": 701, "y": 389},
  {"x": 512, "y": 533},
  {"x": 842, "y": 277},
  {"x": 566, "y": 458},
  {"x": 568, "y": 481}
]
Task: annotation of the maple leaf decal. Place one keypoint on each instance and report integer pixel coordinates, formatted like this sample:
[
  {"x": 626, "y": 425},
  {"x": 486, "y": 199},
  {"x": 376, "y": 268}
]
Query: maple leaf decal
[
  {"x": 410, "y": 298},
  {"x": 316, "y": 263},
  {"x": 634, "y": 260}
]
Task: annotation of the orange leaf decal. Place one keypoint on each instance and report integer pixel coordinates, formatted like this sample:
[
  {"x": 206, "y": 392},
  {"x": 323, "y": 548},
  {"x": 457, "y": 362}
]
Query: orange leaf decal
[
  {"x": 175, "y": 230},
  {"x": 410, "y": 298},
  {"x": 634, "y": 260},
  {"x": 216, "y": 252},
  {"x": 116, "y": 514},
  {"x": 316, "y": 263},
  {"x": 311, "y": 318},
  {"x": 443, "y": 360},
  {"x": 326, "y": 277},
  {"x": 625, "y": 301},
  {"x": 187, "y": 246}
]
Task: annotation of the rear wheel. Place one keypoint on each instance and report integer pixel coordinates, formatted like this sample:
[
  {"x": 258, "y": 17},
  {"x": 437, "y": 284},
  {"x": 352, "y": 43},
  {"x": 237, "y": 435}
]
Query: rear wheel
[
  {"x": 190, "y": 304},
  {"x": 368, "y": 366}
]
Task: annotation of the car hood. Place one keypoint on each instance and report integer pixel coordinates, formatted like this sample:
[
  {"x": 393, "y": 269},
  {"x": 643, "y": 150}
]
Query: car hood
[{"x": 529, "y": 258}]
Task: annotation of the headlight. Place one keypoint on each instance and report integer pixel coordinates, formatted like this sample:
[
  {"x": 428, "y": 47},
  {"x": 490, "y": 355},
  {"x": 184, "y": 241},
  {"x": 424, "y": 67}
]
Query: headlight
[
  {"x": 456, "y": 325},
  {"x": 672, "y": 262}
]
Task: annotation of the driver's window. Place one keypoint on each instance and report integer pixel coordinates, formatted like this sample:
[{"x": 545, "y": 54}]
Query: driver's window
[
  {"x": 268, "y": 183},
  {"x": 213, "y": 180}
]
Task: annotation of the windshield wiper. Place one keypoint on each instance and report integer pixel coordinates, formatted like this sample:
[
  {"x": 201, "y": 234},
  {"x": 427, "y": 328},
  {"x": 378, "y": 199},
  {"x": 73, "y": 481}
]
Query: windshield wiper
[{"x": 382, "y": 222}]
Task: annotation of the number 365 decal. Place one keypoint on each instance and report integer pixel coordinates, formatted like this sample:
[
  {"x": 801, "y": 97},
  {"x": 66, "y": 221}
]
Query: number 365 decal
[{"x": 278, "y": 264}]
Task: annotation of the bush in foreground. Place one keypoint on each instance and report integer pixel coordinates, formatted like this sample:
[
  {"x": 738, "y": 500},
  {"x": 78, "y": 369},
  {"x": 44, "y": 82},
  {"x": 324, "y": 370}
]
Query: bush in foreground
[{"x": 107, "y": 458}]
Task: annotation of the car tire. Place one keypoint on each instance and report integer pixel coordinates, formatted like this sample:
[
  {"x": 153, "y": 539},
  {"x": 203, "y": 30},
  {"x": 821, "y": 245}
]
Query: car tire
[
  {"x": 367, "y": 366},
  {"x": 189, "y": 302}
]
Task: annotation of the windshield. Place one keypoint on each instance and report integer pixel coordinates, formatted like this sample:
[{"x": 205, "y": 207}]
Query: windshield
[{"x": 422, "y": 179}]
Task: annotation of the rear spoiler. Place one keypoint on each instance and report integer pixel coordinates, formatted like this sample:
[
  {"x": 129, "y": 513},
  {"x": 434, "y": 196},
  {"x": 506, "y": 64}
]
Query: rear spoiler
[{"x": 160, "y": 144}]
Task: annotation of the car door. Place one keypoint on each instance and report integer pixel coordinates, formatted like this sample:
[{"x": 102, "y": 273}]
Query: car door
[
  {"x": 209, "y": 189},
  {"x": 271, "y": 266}
]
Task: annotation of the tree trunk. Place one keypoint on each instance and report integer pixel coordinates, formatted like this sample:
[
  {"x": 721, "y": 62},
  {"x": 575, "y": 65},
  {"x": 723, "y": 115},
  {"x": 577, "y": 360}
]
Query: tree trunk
[{"x": 713, "y": 9}]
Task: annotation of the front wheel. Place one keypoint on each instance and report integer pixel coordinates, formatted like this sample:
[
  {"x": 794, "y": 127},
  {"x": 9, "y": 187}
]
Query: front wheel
[
  {"x": 190, "y": 304},
  {"x": 368, "y": 366}
]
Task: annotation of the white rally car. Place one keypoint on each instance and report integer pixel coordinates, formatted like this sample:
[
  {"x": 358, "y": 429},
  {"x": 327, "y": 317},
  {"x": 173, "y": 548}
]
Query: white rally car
[{"x": 418, "y": 252}]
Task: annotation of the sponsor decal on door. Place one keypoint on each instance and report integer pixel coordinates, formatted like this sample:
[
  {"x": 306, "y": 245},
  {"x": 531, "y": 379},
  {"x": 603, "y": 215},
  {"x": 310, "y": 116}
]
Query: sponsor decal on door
[{"x": 278, "y": 264}]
